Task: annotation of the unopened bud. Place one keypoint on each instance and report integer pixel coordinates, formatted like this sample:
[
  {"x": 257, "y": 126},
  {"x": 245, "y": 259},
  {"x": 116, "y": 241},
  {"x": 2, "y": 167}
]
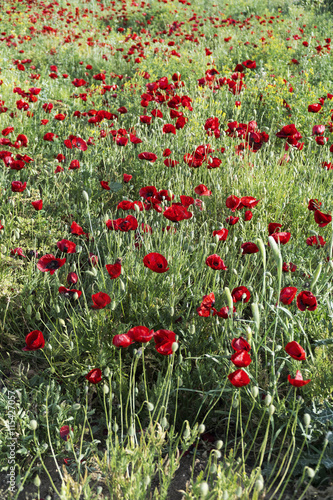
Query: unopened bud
[
  {"x": 85, "y": 196},
  {"x": 306, "y": 419},
  {"x": 259, "y": 485},
  {"x": 310, "y": 472},
  {"x": 174, "y": 346},
  {"x": 255, "y": 391},
  {"x": 33, "y": 425},
  {"x": 37, "y": 481},
  {"x": 218, "y": 444},
  {"x": 271, "y": 410},
  {"x": 204, "y": 489},
  {"x": 201, "y": 428},
  {"x": 268, "y": 399}
]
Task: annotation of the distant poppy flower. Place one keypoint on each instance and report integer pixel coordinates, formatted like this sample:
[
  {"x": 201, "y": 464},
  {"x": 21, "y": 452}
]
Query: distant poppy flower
[
  {"x": 74, "y": 165},
  {"x": 114, "y": 270},
  {"x": 166, "y": 152},
  {"x": 249, "y": 64},
  {"x": 274, "y": 227},
  {"x": 100, "y": 300},
  {"x": 18, "y": 186},
  {"x": 322, "y": 219},
  {"x": 223, "y": 312},
  {"x": 240, "y": 344},
  {"x": 314, "y": 205},
  {"x": 287, "y": 295},
  {"x": 281, "y": 238},
  {"x": 248, "y": 215},
  {"x": 94, "y": 376},
  {"x": 148, "y": 156},
  {"x": 69, "y": 292},
  {"x": 298, "y": 380},
  {"x": 241, "y": 359},
  {"x": 249, "y": 201},
  {"x": 168, "y": 128},
  {"x": 239, "y": 378},
  {"x": 147, "y": 192},
  {"x": 207, "y": 305},
  {"x": 215, "y": 262},
  {"x": 177, "y": 213},
  {"x": 289, "y": 267},
  {"x": 105, "y": 185},
  {"x": 306, "y": 300},
  {"x": 49, "y": 263},
  {"x": 127, "y": 178},
  {"x": 314, "y": 108},
  {"x": 76, "y": 229},
  {"x": 248, "y": 248},
  {"x": 34, "y": 341},
  {"x": 156, "y": 262},
  {"x": 17, "y": 251},
  {"x": 313, "y": 241},
  {"x": 72, "y": 278},
  {"x": 66, "y": 246},
  {"x": 222, "y": 234},
  {"x": 295, "y": 351},
  {"x": 238, "y": 293},
  {"x": 202, "y": 190},
  {"x": 64, "y": 432},
  {"x": 163, "y": 341},
  {"x": 129, "y": 223},
  {"x": 141, "y": 334},
  {"x": 233, "y": 202},
  {"x": 38, "y": 205},
  {"x": 122, "y": 340}
]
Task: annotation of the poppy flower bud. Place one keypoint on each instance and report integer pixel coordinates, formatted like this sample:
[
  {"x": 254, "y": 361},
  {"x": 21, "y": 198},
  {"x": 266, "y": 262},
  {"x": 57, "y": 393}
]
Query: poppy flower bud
[
  {"x": 61, "y": 322},
  {"x": 37, "y": 481},
  {"x": 174, "y": 346},
  {"x": 33, "y": 425},
  {"x": 217, "y": 239},
  {"x": 29, "y": 309},
  {"x": 218, "y": 444},
  {"x": 75, "y": 295},
  {"x": 258, "y": 486},
  {"x": 201, "y": 428},
  {"x": 268, "y": 399},
  {"x": 85, "y": 196},
  {"x": 255, "y": 391},
  {"x": 106, "y": 389},
  {"x": 76, "y": 406},
  {"x": 115, "y": 427},
  {"x": 271, "y": 410},
  {"x": 122, "y": 285},
  {"x": 204, "y": 489},
  {"x": 150, "y": 406},
  {"x": 306, "y": 419},
  {"x": 136, "y": 208},
  {"x": 164, "y": 423},
  {"x": 310, "y": 472},
  {"x": 37, "y": 316}
]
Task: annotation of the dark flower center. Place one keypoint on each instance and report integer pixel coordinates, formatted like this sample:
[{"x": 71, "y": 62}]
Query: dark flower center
[{"x": 54, "y": 264}]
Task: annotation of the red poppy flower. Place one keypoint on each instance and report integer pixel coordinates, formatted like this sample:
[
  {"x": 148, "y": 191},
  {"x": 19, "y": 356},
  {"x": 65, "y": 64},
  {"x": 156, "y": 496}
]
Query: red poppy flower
[
  {"x": 69, "y": 292},
  {"x": 237, "y": 294},
  {"x": 94, "y": 376},
  {"x": 66, "y": 246},
  {"x": 74, "y": 165},
  {"x": 222, "y": 234},
  {"x": 76, "y": 229},
  {"x": 38, "y": 205},
  {"x": 148, "y": 156},
  {"x": 164, "y": 340},
  {"x": 122, "y": 340},
  {"x": 313, "y": 241},
  {"x": 141, "y": 334},
  {"x": 233, "y": 202},
  {"x": 295, "y": 351},
  {"x": 249, "y": 201},
  {"x": 287, "y": 295},
  {"x": 105, "y": 185},
  {"x": 58, "y": 169},
  {"x": 281, "y": 238},
  {"x": 128, "y": 224},
  {"x": 314, "y": 108},
  {"x": 248, "y": 248},
  {"x": 249, "y": 64},
  {"x": 34, "y": 341},
  {"x": 100, "y": 300},
  {"x": 156, "y": 262},
  {"x": 49, "y": 263},
  {"x": 17, "y": 251},
  {"x": 186, "y": 201},
  {"x": 298, "y": 380},
  {"x": 223, "y": 312},
  {"x": 273, "y": 227},
  {"x": 248, "y": 215},
  {"x": 206, "y": 305},
  {"x": 240, "y": 344},
  {"x": 215, "y": 262},
  {"x": 239, "y": 378},
  {"x": 114, "y": 270},
  {"x": 127, "y": 178},
  {"x": 241, "y": 359},
  {"x": 314, "y": 205},
  {"x": 289, "y": 267},
  {"x": 322, "y": 219},
  {"x": 49, "y": 137},
  {"x": 166, "y": 152},
  {"x": 202, "y": 190},
  {"x": 177, "y": 213},
  {"x": 306, "y": 300},
  {"x": 148, "y": 192},
  {"x": 72, "y": 278},
  {"x": 64, "y": 432},
  {"x": 168, "y": 128},
  {"x": 18, "y": 186}
]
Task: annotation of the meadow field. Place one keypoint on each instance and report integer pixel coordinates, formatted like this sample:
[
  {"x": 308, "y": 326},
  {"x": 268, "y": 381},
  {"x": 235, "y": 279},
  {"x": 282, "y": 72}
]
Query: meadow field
[{"x": 166, "y": 250}]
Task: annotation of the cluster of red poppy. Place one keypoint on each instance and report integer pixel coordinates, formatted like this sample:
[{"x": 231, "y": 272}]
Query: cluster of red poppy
[{"x": 163, "y": 338}]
